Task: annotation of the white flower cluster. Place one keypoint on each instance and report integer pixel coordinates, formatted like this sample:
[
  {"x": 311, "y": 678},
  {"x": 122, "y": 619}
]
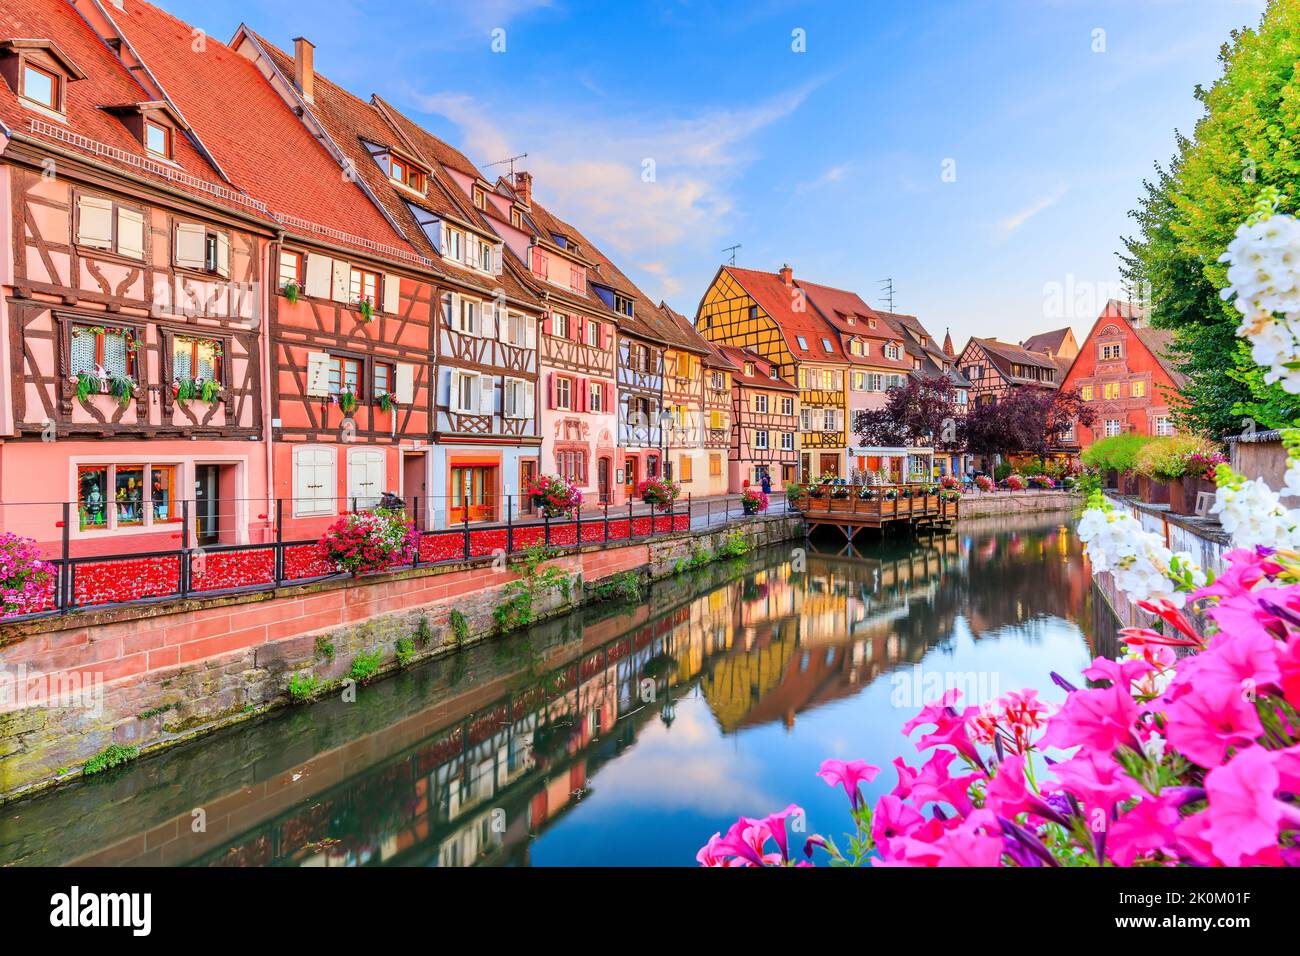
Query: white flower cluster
[
  {"x": 1292, "y": 479},
  {"x": 1142, "y": 566},
  {"x": 1264, "y": 276},
  {"x": 1253, "y": 513}
]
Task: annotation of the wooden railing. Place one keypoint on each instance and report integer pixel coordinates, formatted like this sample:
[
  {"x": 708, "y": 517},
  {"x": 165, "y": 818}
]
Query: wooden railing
[{"x": 873, "y": 503}]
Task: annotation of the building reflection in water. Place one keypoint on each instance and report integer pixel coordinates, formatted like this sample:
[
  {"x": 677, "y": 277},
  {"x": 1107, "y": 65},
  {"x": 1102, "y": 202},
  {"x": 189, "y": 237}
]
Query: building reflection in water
[{"x": 476, "y": 765}]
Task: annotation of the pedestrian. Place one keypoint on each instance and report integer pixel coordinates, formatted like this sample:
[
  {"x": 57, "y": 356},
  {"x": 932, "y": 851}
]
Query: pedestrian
[{"x": 766, "y": 483}]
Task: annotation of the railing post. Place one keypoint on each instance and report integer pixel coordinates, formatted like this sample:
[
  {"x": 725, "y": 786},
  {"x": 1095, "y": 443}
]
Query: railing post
[
  {"x": 577, "y": 527},
  {"x": 62, "y": 593},
  {"x": 415, "y": 522},
  {"x": 690, "y": 519},
  {"x": 606, "y": 519},
  {"x": 183, "y": 562},
  {"x": 546, "y": 520},
  {"x": 510, "y": 524},
  {"x": 466, "y": 529},
  {"x": 279, "y": 541}
]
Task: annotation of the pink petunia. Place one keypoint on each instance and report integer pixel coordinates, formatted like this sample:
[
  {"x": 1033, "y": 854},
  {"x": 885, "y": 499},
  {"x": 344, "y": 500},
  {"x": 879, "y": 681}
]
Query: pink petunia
[
  {"x": 848, "y": 774},
  {"x": 1210, "y": 717}
]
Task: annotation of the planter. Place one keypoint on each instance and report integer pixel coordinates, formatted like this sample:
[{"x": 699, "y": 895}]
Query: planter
[
  {"x": 1184, "y": 492},
  {"x": 1152, "y": 492},
  {"x": 1128, "y": 483}
]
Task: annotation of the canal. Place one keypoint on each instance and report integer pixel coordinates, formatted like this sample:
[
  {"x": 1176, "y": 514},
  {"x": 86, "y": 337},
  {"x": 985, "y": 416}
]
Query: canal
[{"x": 619, "y": 735}]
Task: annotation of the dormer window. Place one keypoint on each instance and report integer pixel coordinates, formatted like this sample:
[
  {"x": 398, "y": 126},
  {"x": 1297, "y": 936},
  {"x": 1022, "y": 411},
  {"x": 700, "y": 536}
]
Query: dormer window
[
  {"x": 407, "y": 174},
  {"x": 480, "y": 198},
  {"x": 749, "y": 369},
  {"x": 516, "y": 218},
  {"x": 42, "y": 87},
  {"x": 622, "y": 304},
  {"x": 38, "y": 72},
  {"x": 803, "y": 343},
  {"x": 157, "y": 140},
  {"x": 826, "y": 344}
]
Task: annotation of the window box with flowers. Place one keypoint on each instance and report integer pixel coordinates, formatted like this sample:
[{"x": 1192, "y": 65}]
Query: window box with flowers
[
  {"x": 553, "y": 496},
  {"x": 103, "y": 362},
  {"x": 346, "y": 400},
  {"x": 196, "y": 368}
]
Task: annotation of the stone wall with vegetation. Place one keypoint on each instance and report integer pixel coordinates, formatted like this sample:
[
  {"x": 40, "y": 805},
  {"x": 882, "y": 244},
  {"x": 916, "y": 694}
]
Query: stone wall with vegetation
[{"x": 173, "y": 672}]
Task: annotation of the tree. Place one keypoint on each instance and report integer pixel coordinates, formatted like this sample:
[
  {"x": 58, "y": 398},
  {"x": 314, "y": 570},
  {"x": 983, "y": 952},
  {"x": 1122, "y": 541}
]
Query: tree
[
  {"x": 920, "y": 412},
  {"x": 1029, "y": 420},
  {"x": 1191, "y": 208}
]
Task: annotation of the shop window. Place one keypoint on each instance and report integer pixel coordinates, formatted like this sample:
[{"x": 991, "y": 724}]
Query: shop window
[{"x": 126, "y": 495}]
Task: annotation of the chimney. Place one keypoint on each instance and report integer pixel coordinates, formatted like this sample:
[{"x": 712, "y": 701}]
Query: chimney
[
  {"x": 304, "y": 72},
  {"x": 787, "y": 275},
  {"x": 524, "y": 187}
]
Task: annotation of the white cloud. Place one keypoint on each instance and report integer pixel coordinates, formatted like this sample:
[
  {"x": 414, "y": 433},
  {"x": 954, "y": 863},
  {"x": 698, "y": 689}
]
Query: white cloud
[
  {"x": 1006, "y": 227},
  {"x": 833, "y": 175},
  {"x": 591, "y": 170}
]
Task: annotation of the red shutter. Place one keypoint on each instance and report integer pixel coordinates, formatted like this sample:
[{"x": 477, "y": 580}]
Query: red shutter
[
  {"x": 609, "y": 396},
  {"x": 576, "y": 330},
  {"x": 552, "y": 390},
  {"x": 546, "y": 324},
  {"x": 584, "y": 396},
  {"x": 606, "y": 334}
]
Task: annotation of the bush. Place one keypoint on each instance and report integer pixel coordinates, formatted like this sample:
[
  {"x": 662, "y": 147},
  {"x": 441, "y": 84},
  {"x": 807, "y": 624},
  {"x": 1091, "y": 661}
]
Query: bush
[
  {"x": 365, "y": 666},
  {"x": 459, "y": 626},
  {"x": 113, "y": 756},
  {"x": 405, "y": 651},
  {"x": 1002, "y": 472},
  {"x": 302, "y": 686},
  {"x": 370, "y": 541},
  {"x": 1117, "y": 453},
  {"x": 622, "y": 587},
  {"x": 1168, "y": 459}
]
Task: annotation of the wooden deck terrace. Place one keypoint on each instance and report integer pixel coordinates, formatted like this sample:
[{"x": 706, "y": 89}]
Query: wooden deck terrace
[{"x": 916, "y": 504}]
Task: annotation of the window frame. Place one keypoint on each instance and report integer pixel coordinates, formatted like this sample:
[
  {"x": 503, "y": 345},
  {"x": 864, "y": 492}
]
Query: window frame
[
  {"x": 168, "y": 135},
  {"x": 57, "y": 85},
  {"x": 339, "y": 362},
  {"x": 354, "y": 272}
]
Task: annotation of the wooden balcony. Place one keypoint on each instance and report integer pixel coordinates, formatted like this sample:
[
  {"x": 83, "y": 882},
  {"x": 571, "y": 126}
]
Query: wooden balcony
[{"x": 845, "y": 508}]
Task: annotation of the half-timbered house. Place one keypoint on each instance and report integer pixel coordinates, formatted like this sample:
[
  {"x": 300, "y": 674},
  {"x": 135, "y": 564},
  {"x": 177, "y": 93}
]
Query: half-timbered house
[
  {"x": 1125, "y": 372},
  {"x": 483, "y": 388},
  {"x": 769, "y": 313},
  {"x": 718, "y": 411},
  {"x": 131, "y": 303},
  {"x": 764, "y": 423},
  {"x": 686, "y": 460}
]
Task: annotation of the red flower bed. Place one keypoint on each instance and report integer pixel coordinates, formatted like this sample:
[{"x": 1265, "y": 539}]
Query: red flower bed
[
  {"x": 305, "y": 561},
  {"x": 618, "y": 529},
  {"x": 528, "y": 537},
  {"x": 232, "y": 569},
  {"x": 594, "y": 532},
  {"x": 640, "y": 527},
  {"x": 682, "y": 522},
  {"x": 442, "y": 547},
  {"x": 117, "y": 581},
  {"x": 486, "y": 542},
  {"x": 564, "y": 535}
]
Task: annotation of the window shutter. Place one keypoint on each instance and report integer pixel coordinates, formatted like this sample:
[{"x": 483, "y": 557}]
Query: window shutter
[
  {"x": 130, "y": 233},
  {"x": 190, "y": 242},
  {"x": 318, "y": 374},
  {"x": 318, "y": 276},
  {"x": 580, "y": 400},
  {"x": 530, "y": 399},
  {"x": 392, "y": 294},
  {"x": 577, "y": 327},
  {"x": 342, "y": 285},
  {"x": 496, "y": 260},
  {"x": 223, "y": 255},
  {"x": 503, "y": 327},
  {"x": 530, "y": 332},
  {"x": 553, "y": 388},
  {"x": 405, "y": 384},
  {"x": 95, "y": 222},
  {"x": 486, "y": 397},
  {"x": 609, "y": 396},
  {"x": 546, "y": 324},
  {"x": 487, "y": 314}
]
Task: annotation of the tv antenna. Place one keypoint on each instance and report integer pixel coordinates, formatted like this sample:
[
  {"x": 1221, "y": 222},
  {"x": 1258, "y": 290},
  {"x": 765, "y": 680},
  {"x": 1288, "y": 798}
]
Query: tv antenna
[
  {"x": 732, "y": 250},
  {"x": 510, "y": 160},
  {"x": 888, "y": 291}
]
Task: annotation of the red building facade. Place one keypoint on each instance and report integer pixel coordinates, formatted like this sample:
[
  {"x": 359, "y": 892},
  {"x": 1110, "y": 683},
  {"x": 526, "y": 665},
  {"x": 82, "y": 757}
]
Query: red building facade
[{"x": 1124, "y": 373}]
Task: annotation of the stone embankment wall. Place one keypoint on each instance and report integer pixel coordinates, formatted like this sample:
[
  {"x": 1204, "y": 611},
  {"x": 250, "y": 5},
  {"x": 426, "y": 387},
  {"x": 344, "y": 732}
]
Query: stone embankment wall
[{"x": 150, "y": 676}]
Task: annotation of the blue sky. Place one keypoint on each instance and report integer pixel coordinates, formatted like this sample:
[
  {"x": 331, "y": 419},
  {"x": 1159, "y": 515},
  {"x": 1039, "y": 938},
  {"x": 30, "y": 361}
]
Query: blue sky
[{"x": 832, "y": 159}]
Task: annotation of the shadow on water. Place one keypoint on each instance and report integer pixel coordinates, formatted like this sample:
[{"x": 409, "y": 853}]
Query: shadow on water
[{"x": 725, "y": 686}]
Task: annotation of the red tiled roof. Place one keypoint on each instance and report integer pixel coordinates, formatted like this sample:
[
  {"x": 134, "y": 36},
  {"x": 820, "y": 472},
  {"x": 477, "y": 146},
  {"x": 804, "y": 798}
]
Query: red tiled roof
[
  {"x": 249, "y": 130},
  {"x": 1047, "y": 341},
  {"x": 851, "y": 317},
  {"x": 91, "y": 130},
  {"x": 1159, "y": 342},
  {"x": 777, "y": 300},
  {"x": 762, "y": 376},
  {"x": 686, "y": 336},
  {"x": 1005, "y": 356}
]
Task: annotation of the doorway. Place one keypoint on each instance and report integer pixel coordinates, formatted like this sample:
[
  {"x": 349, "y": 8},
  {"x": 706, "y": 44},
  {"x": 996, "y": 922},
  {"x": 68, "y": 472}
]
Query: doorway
[
  {"x": 602, "y": 480},
  {"x": 207, "y": 505},
  {"x": 830, "y": 465},
  {"x": 473, "y": 493},
  {"x": 630, "y": 473},
  {"x": 413, "y": 487}
]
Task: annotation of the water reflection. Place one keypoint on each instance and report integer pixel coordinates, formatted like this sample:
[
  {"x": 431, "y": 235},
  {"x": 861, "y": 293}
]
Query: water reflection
[{"x": 618, "y": 736}]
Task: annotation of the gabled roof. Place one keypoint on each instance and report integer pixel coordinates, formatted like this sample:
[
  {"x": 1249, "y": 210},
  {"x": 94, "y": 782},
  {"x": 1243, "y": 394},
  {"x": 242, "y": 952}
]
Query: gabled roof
[
  {"x": 1159, "y": 342},
  {"x": 689, "y": 339},
  {"x": 921, "y": 344},
  {"x": 762, "y": 377},
  {"x": 351, "y": 124},
  {"x": 1125, "y": 310},
  {"x": 778, "y": 300},
  {"x": 93, "y": 131},
  {"x": 1004, "y": 356},
  {"x": 1047, "y": 341},
  {"x": 852, "y": 318},
  {"x": 274, "y": 159}
]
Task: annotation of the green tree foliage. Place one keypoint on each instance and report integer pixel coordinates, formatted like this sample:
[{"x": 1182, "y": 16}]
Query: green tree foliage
[{"x": 1245, "y": 141}]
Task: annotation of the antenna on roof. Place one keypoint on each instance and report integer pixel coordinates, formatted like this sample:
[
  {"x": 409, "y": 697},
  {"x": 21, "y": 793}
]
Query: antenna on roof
[
  {"x": 732, "y": 250},
  {"x": 510, "y": 160},
  {"x": 888, "y": 292}
]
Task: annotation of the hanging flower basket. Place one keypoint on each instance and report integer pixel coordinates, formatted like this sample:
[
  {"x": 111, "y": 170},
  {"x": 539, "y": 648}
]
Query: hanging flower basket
[
  {"x": 657, "y": 492},
  {"x": 753, "y": 501},
  {"x": 26, "y": 581},
  {"x": 369, "y": 541}
]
